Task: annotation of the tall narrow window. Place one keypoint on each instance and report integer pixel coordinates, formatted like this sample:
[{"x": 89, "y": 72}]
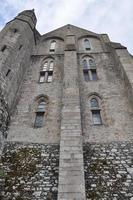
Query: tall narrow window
[
  {"x": 93, "y": 73},
  {"x": 46, "y": 73},
  {"x": 85, "y": 65},
  {"x": 89, "y": 69},
  {"x": 86, "y": 70},
  {"x": 53, "y": 45},
  {"x": 87, "y": 44},
  {"x": 39, "y": 120},
  {"x": 45, "y": 66},
  {"x": 86, "y": 75},
  {"x": 51, "y": 66},
  {"x": 42, "y": 77},
  {"x": 96, "y": 115},
  {"x": 91, "y": 63}
]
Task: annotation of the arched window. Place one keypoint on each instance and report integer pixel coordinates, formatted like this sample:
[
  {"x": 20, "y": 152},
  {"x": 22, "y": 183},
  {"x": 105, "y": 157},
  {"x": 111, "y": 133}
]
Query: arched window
[
  {"x": 89, "y": 69},
  {"x": 95, "y": 110},
  {"x": 87, "y": 44},
  {"x": 85, "y": 64},
  {"x": 91, "y": 62},
  {"x": 45, "y": 66},
  {"x": 51, "y": 66},
  {"x": 86, "y": 70},
  {"x": 40, "y": 113},
  {"x": 46, "y": 73},
  {"x": 52, "y": 45},
  {"x": 94, "y": 103}
]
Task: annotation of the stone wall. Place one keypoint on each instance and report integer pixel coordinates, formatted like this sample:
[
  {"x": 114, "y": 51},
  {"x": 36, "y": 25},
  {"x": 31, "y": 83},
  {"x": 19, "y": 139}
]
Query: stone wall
[
  {"x": 22, "y": 121},
  {"x": 29, "y": 171},
  {"x": 115, "y": 107},
  {"x": 109, "y": 171},
  {"x": 17, "y": 37}
]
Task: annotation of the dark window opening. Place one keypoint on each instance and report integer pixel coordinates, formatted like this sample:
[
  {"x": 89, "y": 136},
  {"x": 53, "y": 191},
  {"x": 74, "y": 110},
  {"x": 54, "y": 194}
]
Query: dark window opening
[
  {"x": 39, "y": 119},
  {"x": 8, "y": 72},
  {"x": 40, "y": 114},
  {"x": 93, "y": 74},
  {"x": 42, "y": 77},
  {"x": 20, "y": 46},
  {"x": 3, "y": 48},
  {"x": 96, "y": 117},
  {"x": 15, "y": 30},
  {"x": 86, "y": 75}
]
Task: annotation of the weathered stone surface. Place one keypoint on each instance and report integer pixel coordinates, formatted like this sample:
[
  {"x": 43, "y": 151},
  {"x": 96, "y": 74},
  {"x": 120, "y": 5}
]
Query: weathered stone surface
[
  {"x": 68, "y": 117},
  {"x": 29, "y": 171},
  {"x": 109, "y": 170}
]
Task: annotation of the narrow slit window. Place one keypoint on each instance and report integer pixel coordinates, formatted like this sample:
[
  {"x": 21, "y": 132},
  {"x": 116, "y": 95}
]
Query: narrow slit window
[
  {"x": 3, "y": 48},
  {"x": 8, "y": 72},
  {"x": 20, "y": 47}
]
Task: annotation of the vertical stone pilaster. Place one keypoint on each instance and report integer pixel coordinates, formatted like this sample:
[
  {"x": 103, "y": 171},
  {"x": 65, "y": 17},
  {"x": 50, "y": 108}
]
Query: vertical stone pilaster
[{"x": 71, "y": 170}]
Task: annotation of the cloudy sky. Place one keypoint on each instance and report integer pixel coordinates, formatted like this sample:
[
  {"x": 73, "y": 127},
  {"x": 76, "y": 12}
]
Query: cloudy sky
[{"x": 114, "y": 17}]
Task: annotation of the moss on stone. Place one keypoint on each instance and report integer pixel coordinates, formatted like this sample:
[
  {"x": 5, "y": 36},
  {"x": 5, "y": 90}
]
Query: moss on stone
[
  {"x": 97, "y": 166},
  {"x": 22, "y": 166}
]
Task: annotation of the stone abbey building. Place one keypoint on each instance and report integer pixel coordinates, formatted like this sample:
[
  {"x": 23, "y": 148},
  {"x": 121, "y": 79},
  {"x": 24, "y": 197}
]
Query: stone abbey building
[{"x": 66, "y": 114}]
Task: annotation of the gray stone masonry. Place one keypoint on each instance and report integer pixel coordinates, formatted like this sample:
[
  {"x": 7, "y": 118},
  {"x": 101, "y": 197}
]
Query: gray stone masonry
[
  {"x": 30, "y": 159},
  {"x": 109, "y": 171},
  {"x": 71, "y": 174},
  {"x": 29, "y": 171}
]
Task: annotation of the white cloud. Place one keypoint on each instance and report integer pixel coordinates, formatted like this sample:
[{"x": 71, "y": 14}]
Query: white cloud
[{"x": 101, "y": 16}]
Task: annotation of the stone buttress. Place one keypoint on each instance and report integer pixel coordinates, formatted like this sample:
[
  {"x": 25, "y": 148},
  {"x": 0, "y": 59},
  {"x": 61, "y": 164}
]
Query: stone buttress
[{"x": 71, "y": 170}]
